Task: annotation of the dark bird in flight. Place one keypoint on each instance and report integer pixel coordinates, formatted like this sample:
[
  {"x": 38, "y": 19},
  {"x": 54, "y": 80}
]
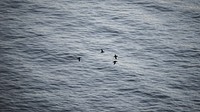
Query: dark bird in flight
[
  {"x": 115, "y": 56},
  {"x": 102, "y": 51},
  {"x": 114, "y": 62},
  {"x": 79, "y": 58}
]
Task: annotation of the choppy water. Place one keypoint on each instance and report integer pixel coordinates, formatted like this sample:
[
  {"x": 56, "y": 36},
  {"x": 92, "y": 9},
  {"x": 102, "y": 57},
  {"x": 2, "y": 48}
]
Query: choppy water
[{"x": 157, "y": 41}]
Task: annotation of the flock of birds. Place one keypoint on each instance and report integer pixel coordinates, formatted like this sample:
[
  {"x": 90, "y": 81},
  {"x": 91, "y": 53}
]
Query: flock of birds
[{"x": 102, "y": 51}]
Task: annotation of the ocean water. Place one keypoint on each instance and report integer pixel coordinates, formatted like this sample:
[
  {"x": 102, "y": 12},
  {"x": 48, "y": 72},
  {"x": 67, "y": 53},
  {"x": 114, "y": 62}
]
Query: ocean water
[{"x": 157, "y": 43}]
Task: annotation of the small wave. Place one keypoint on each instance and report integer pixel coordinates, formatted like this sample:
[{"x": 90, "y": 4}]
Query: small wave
[{"x": 160, "y": 8}]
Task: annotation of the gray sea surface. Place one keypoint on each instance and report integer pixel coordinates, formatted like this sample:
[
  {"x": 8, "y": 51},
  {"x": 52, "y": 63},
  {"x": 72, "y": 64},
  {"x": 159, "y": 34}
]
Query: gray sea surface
[{"x": 157, "y": 43}]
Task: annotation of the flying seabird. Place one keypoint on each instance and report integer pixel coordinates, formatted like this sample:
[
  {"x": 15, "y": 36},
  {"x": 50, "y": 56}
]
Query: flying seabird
[
  {"x": 114, "y": 62},
  {"x": 79, "y": 58},
  {"x": 102, "y": 51},
  {"x": 115, "y": 56}
]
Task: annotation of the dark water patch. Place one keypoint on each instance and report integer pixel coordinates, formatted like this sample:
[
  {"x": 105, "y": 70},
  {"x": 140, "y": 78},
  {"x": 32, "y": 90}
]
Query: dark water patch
[
  {"x": 197, "y": 18},
  {"x": 159, "y": 8},
  {"x": 197, "y": 101},
  {"x": 176, "y": 61},
  {"x": 15, "y": 3},
  {"x": 188, "y": 53},
  {"x": 138, "y": 2},
  {"x": 14, "y": 87},
  {"x": 144, "y": 94},
  {"x": 165, "y": 110},
  {"x": 131, "y": 80},
  {"x": 103, "y": 69},
  {"x": 56, "y": 60},
  {"x": 184, "y": 87},
  {"x": 116, "y": 18},
  {"x": 108, "y": 30},
  {"x": 160, "y": 96},
  {"x": 150, "y": 101},
  {"x": 191, "y": 14},
  {"x": 142, "y": 3},
  {"x": 43, "y": 87},
  {"x": 189, "y": 66},
  {"x": 126, "y": 89},
  {"x": 152, "y": 94},
  {"x": 35, "y": 53}
]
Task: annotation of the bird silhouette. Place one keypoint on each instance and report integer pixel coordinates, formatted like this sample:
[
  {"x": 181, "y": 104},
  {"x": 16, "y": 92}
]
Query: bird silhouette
[
  {"x": 114, "y": 62},
  {"x": 115, "y": 56},
  {"x": 102, "y": 51},
  {"x": 79, "y": 58}
]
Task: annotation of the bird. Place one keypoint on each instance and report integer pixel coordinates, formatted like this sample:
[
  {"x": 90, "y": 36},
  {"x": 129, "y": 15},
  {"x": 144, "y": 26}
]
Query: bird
[
  {"x": 79, "y": 58},
  {"x": 114, "y": 62},
  {"x": 115, "y": 56},
  {"x": 102, "y": 51}
]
